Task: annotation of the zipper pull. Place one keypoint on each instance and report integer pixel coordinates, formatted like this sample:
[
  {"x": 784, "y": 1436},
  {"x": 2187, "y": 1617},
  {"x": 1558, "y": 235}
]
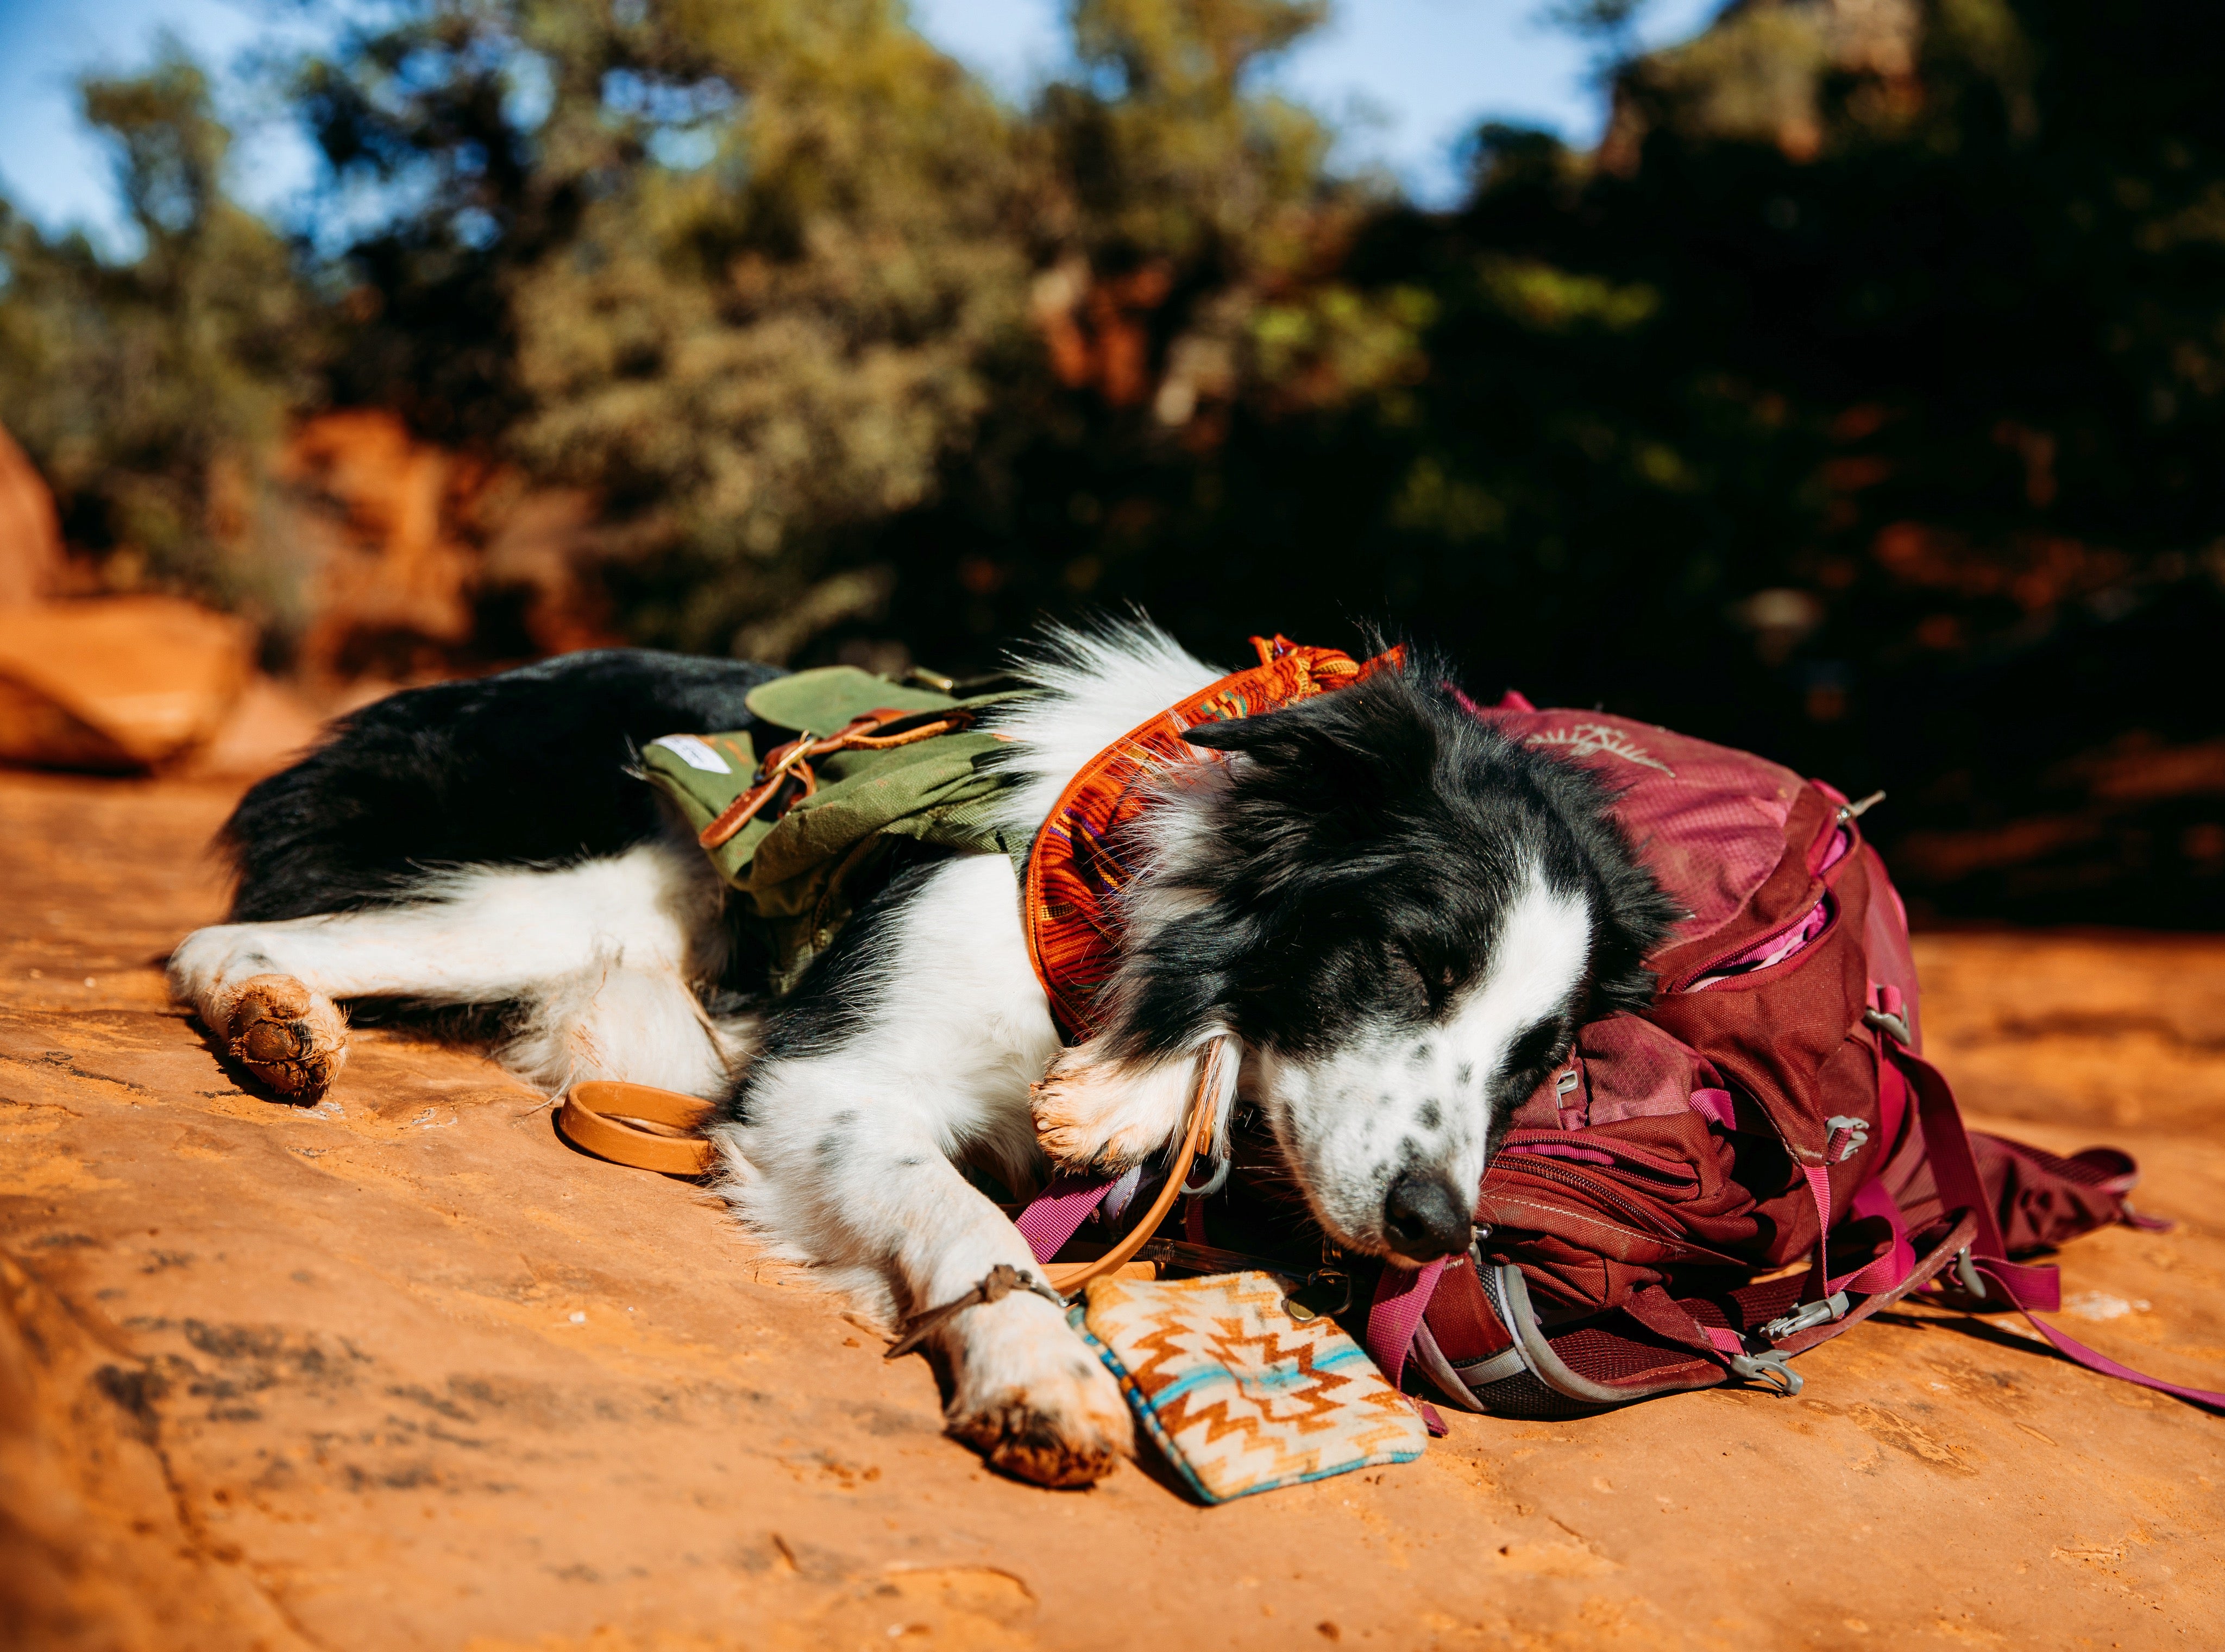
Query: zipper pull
[{"x": 1855, "y": 811}]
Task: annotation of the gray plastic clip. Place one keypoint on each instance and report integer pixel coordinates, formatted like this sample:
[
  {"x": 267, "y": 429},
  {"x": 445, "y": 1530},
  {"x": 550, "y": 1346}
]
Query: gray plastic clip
[
  {"x": 1896, "y": 1025},
  {"x": 1833, "y": 1306},
  {"x": 1855, "y": 811},
  {"x": 1769, "y": 1367},
  {"x": 1966, "y": 1275}
]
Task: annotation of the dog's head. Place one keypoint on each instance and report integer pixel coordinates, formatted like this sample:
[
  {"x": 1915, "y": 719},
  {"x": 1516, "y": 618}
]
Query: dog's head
[{"x": 1403, "y": 914}]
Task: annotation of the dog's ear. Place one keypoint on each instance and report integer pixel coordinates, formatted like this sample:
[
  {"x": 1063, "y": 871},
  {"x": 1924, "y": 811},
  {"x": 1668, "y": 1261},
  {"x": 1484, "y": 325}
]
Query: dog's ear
[
  {"x": 1632, "y": 916},
  {"x": 1379, "y": 733},
  {"x": 1636, "y": 917},
  {"x": 1230, "y": 734}
]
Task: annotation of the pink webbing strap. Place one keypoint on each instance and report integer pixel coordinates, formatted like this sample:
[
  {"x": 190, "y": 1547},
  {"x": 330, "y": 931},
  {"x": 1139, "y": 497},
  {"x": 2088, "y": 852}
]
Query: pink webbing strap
[
  {"x": 1058, "y": 1212},
  {"x": 1954, "y": 1172},
  {"x": 1402, "y": 1296},
  {"x": 1898, "y": 1263},
  {"x": 2077, "y": 1351},
  {"x": 1880, "y": 1274},
  {"x": 1884, "y": 1272}
]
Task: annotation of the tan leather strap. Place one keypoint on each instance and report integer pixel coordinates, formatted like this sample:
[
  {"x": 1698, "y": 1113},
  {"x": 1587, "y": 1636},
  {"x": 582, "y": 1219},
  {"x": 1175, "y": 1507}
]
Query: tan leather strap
[
  {"x": 637, "y": 1124},
  {"x": 793, "y": 761},
  {"x": 1004, "y": 1278}
]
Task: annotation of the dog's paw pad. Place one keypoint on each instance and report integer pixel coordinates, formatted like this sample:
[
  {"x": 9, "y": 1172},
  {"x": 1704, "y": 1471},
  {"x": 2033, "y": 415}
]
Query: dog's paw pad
[
  {"x": 292, "y": 1039},
  {"x": 1047, "y": 1446},
  {"x": 1033, "y": 1400}
]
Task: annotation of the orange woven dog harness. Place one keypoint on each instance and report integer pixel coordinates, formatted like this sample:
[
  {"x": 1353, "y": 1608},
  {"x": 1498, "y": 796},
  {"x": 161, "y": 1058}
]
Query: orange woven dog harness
[{"x": 1069, "y": 903}]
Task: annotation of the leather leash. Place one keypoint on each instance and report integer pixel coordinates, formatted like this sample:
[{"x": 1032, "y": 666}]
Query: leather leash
[
  {"x": 637, "y": 1124},
  {"x": 648, "y": 1129},
  {"x": 1213, "y": 1073}
]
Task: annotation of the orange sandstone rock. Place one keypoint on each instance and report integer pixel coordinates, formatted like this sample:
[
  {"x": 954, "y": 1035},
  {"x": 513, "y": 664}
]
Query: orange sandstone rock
[{"x": 402, "y": 1369}]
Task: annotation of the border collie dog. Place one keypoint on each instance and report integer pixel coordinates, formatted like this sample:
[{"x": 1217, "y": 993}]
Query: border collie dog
[{"x": 1402, "y": 915}]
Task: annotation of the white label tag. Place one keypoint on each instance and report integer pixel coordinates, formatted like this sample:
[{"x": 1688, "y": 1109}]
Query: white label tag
[{"x": 693, "y": 752}]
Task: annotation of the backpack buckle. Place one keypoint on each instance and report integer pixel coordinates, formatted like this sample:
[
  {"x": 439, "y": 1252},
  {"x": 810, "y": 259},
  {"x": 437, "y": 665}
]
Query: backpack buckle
[
  {"x": 1768, "y": 1367},
  {"x": 1832, "y": 1308},
  {"x": 1326, "y": 1290},
  {"x": 1897, "y": 1026}
]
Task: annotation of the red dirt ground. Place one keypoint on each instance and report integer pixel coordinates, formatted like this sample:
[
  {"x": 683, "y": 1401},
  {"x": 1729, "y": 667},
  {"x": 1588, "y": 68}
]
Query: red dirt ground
[{"x": 405, "y": 1371}]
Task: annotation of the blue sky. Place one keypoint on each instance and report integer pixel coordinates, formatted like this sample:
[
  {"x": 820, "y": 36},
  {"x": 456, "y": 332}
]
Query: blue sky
[{"x": 1406, "y": 78}]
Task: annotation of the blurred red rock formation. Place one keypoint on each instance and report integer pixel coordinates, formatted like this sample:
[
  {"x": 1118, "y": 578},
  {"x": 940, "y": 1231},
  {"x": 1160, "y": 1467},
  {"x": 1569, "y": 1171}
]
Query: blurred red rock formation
[
  {"x": 31, "y": 532},
  {"x": 116, "y": 683},
  {"x": 427, "y": 564},
  {"x": 424, "y": 549}
]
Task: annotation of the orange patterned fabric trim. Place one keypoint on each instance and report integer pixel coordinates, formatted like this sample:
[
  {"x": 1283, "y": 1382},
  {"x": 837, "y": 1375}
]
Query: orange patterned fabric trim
[{"x": 1070, "y": 906}]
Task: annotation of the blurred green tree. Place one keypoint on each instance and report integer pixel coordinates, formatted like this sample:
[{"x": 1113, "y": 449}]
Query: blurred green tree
[
  {"x": 1857, "y": 399},
  {"x": 1850, "y": 402},
  {"x": 152, "y": 393},
  {"x": 757, "y": 273},
  {"x": 738, "y": 268}
]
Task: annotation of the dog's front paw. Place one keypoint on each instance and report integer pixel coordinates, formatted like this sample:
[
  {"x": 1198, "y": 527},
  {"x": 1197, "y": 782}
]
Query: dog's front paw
[
  {"x": 293, "y": 1039},
  {"x": 1094, "y": 1113},
  {"x": 1031, "y": 1398}
]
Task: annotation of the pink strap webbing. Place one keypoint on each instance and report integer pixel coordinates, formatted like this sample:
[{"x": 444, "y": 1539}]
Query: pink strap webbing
[
  {"x": 1882, "y": 1273},
  {"x": 2077, "y": 1351},
  {"x": 1954, "y": 1171},
  {"x": 1059, "y": 1212},
  {"x": 1888, "y": 1270},
  {"x": 1402, "y": 1296}
]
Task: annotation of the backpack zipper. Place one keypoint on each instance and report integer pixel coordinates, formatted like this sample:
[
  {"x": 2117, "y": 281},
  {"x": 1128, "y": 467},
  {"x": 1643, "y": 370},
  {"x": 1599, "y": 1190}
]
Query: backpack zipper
[
  {"x": 1638, "y": 1221},
  {"x": 1625, "y": 1158},
  {"x": 1606, "y": 1192},
  {"x": 1711, "y": 973}
]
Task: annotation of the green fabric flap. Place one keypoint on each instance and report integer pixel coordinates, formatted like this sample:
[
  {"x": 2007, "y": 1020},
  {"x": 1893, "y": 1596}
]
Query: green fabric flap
[
  {"x": 830, "y": 698},
  {"x": 864, "y": 793},
  {"x": 684, "y": 767},
  {"x": 806, "y": 872}
]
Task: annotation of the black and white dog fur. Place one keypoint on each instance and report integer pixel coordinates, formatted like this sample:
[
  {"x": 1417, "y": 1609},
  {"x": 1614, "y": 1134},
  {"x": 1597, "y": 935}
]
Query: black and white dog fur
[{"x": 1402, "y": 915}]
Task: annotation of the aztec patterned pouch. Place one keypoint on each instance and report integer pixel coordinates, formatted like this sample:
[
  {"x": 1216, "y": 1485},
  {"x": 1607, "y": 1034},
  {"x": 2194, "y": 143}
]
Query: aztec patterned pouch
[{"x": 1240, "y": 1396}]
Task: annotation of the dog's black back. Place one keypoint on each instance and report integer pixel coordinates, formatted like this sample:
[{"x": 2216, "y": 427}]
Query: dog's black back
[{"x": 526, "y": 768}]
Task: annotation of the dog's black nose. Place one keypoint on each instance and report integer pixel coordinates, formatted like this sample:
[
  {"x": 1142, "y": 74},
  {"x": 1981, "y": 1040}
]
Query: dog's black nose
[{"x": 1425, "y": 1218}]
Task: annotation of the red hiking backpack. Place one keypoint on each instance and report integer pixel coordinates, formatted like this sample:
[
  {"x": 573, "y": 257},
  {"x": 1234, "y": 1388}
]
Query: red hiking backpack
[
  {"x": 1638, "y": 1221},
  {"x": 1641, "y": 1228}
]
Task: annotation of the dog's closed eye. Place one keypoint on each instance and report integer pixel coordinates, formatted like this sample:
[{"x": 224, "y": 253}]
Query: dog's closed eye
[{"x": 1434, "y": 979}]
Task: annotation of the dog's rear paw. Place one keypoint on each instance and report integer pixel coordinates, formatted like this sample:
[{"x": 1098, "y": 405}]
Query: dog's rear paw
[
  {"x": 293, "y": 1039},
  {"x": 1032, "y": 1399}
]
